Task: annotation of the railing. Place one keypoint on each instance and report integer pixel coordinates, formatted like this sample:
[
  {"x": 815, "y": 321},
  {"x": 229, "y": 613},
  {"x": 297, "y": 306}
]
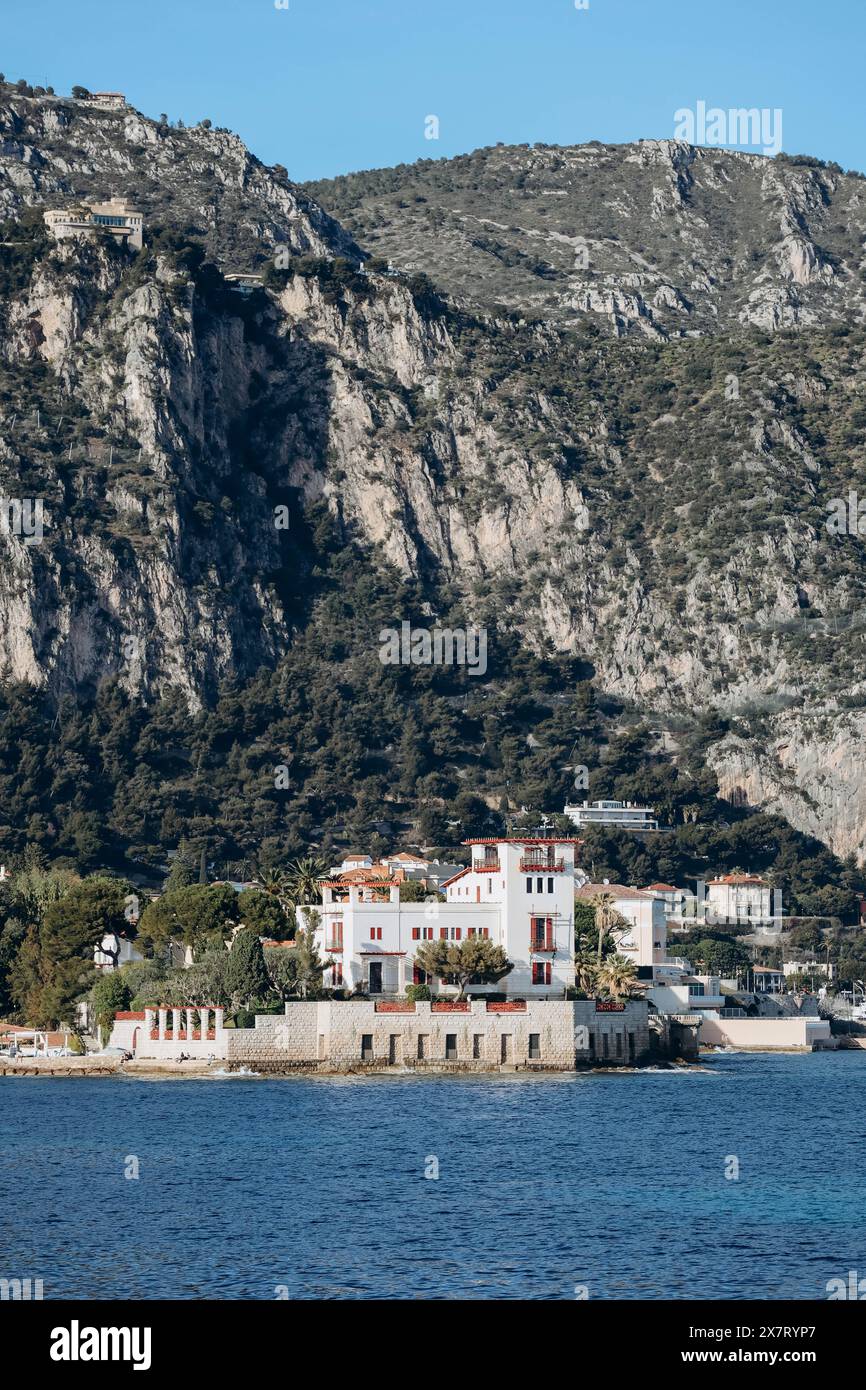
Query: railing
[
  {"x": 486, "y": 866},
  {"x": 542, "y": 941},
  {"x": 531, "y": 863},
  {"x": 334, "y": 943}
]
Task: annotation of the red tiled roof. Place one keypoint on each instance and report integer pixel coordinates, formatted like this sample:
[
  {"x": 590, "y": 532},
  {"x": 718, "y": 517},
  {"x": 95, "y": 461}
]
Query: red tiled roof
[
  {"x": 454, "y": 877},
  {"x": 616, "y": 890},
  {"x": 737, "y": 879},
  {"x": 527, "y": 840}
]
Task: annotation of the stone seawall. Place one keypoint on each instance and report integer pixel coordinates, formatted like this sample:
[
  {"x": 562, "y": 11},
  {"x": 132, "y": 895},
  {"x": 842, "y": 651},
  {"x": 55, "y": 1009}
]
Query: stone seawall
[{"x": 359, "y": 1035}]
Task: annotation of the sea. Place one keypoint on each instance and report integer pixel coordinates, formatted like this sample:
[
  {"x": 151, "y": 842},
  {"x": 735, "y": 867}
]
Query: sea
[{"x": 740, "y": 1178}]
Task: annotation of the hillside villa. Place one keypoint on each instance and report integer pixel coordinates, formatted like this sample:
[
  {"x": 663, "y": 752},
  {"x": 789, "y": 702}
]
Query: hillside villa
[{"x": 117, "y": 218}]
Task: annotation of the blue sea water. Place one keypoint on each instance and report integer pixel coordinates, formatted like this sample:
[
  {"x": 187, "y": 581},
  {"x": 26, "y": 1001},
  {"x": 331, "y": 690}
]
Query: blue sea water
[{"x": 317, "y": 1187}]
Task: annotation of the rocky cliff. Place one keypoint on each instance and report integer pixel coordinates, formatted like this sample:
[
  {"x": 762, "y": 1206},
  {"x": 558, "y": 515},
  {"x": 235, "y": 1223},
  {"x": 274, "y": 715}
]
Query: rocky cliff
[{"x": 622, "y": 462}]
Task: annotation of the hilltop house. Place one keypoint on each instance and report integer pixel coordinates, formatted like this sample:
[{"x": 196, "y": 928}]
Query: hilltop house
[
  {"x": 105, "y": 101},
  {"x": 517, "y": 892},
  {"x": 616, "y": 815},
  {"x": 117, "y": 218}
]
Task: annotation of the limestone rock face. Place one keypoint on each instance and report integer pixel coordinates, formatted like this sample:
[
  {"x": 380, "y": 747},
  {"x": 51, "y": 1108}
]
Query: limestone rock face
[{"x": 647, "y": 493}]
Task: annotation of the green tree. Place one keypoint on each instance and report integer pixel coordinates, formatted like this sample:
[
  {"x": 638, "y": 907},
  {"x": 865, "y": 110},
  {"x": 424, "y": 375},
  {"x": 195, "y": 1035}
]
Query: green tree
[
  {"x": 303, "y": 880},
  {"x": 246, "y": 979},
  {"x": 413, "y": 891},
  {"x": 476, "y": 960},
  {"x": 617, "y": 977},
  {"x": 309, "y": 966},
  {"x": 57, "y": 966},
  {"x": 199, "y": 916},
  {"x": 110, "y": 994},
  {"x": 264, "y": 915},
  {"x": 183, "y": 870}
]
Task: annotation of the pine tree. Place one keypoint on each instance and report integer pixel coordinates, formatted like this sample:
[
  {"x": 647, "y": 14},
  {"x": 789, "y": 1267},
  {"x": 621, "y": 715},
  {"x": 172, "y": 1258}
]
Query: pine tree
[{"x": 246, "y": 976}]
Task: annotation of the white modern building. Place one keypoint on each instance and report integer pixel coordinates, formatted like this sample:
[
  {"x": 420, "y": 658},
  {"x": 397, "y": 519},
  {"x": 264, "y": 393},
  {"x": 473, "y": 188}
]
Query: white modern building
[
  {"x": 810, "y": 965},
  {"x": 517, "y": 892},
  {"x": 617, "y": 815}
]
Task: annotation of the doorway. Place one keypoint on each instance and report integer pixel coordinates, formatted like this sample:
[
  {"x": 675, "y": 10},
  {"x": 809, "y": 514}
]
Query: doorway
[{"x": 375, "y": 985}]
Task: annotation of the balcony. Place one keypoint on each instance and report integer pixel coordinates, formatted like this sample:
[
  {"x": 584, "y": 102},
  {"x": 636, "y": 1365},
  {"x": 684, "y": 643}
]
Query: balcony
[
  {"x": 542, "y": 941},
  {"x": 485, "y": 866},
  {"x": 533, "y": 864},
  {"x": 334, "y": 942}
]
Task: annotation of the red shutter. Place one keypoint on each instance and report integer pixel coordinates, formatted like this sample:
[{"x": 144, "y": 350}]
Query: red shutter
[
  {"x": 443, "y": 933},
  {"x": 459, "y": 933},
  {"x": 416, "y": 933}
]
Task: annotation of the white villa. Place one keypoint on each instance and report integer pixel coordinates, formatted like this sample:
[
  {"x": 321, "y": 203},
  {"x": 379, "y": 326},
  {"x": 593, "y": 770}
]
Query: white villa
[
  {"x": 517, "y": 892},
  {"x": 742, "y": 898},
  {"x": 620, "y": 815},
  {"x": 117, "y": 218},
  {"x": 645, "y": 944},
  {"x": 105, "y": 101}
]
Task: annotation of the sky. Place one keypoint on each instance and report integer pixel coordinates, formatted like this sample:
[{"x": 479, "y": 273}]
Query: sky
[{"x": 330, "y": 86}]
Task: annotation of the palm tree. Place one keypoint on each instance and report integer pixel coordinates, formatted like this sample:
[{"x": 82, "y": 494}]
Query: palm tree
[
  {"x": 617, "y": 977},
  {"x": 605, "y": 916},
  {"x": 275, "y": 883},
  {"x": 303, "y": 880},
  {"x": 585, "y": 973}
]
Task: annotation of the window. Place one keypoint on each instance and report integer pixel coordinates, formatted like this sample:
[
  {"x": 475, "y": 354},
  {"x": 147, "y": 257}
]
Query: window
[
  {"x": 375, "y": 933},
  {"x": 427, "y": 933},
  {"x": 336, "y": 974},
  {"x": 366, "y": 1047},
  {"x": 529, "y": 885},
  {"x": 419, "y": 976},
  {"x": 534, "y": 1047},
  {"x": 539, "y": 885},
  {"x": 450, "y": 1047},
  {"x": 416, "y": 933},
  {"x": 443, "y": 933},
  {"x": 477, "y": 1039},
  {"x": 550, "y": 885},
  {"x": 490, "y": 885},
  {"x": 541, "y": 972}
]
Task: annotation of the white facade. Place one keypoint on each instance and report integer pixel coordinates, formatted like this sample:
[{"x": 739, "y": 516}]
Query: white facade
[
  {"x": 810, "y": 967},
  {"x": 645, "y": 944},
  {"x": 165, "y": 1033},
  {"x": 517, "y": 893},
  {"x": 745, "y": 898},
  {"x": 105, "y": 101},
  {"x": 622, "y": 815},
  {"x": 115, "y": 950}
]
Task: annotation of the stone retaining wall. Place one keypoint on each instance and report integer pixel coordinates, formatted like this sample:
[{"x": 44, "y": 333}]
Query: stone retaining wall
[{"x": 355, "y": 1035}]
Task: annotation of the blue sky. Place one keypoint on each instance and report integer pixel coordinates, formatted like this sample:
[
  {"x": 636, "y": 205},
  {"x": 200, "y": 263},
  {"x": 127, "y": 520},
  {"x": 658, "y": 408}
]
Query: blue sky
[{"x": 328, "y": 86}]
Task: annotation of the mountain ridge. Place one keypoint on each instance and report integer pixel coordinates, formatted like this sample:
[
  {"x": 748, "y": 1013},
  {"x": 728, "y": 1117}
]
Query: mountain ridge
[{"x": 651, "y": 506}]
